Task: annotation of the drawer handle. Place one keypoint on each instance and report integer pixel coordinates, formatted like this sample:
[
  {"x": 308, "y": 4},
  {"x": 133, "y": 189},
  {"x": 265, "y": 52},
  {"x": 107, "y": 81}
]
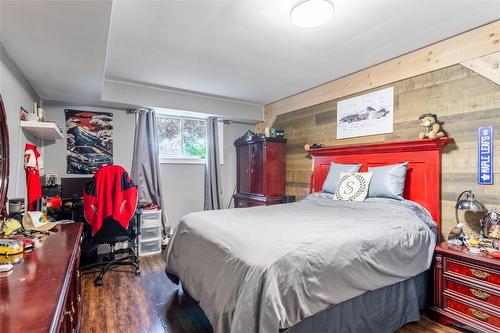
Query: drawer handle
[
  {"x": 479, "y": 314},
  {"x": 479, "y": 294},
  {"x": 79, "y": 298},
  {"x": 68, "y": 313},
  {"x": 479, "y": 274}
]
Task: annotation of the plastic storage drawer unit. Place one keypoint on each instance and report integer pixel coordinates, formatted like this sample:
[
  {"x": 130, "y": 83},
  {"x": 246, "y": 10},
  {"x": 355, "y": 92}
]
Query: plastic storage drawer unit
[
  {"x": 149, "y": 247},
  {"x": 150, "y": 238}
]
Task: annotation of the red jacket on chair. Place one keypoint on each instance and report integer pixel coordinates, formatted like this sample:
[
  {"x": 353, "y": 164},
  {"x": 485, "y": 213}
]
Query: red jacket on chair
[{"x": 111, "y": 193}]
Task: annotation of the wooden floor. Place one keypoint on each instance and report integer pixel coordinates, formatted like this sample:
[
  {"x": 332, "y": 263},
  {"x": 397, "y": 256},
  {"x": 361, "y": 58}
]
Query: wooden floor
[{"x": 151, "y": 303}]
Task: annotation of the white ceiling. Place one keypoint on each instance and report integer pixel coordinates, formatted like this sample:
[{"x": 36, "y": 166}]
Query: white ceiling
[
  {"x": 244, "y": 50},
  {"x": 60, "y": 46}
]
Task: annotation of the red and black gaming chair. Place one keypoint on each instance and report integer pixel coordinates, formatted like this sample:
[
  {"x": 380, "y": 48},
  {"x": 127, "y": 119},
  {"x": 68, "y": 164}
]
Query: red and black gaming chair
[{"x": 112, "y": 216}]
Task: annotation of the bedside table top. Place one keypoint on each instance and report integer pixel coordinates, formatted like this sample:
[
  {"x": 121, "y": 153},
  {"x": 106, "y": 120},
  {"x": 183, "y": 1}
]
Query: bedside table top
[{"x": 462, "y": 253}]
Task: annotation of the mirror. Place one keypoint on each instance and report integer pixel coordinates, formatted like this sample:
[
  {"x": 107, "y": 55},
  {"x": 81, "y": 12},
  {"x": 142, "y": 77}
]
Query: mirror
[{"x": 4, "y": 159}]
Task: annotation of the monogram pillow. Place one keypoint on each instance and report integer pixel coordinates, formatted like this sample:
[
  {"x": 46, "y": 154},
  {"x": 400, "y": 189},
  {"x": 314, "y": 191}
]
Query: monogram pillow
[
  {"x": 332, "y": 179},
  {"x": 353, "y": 186}
]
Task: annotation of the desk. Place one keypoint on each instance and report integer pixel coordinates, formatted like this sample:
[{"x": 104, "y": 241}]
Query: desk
[{"x": 42, "y": 294}]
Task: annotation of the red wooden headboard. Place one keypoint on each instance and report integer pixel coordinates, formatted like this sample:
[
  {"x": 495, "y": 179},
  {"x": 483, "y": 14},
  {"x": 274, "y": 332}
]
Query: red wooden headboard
[{"x": 423, "y": 178}]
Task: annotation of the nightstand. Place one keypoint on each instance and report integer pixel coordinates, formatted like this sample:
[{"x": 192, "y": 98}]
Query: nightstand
[{"x": 466, "y": 288}]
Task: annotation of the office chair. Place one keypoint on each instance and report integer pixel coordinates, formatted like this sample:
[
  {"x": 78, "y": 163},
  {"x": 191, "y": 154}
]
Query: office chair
[
  {"x": 112, "y": 234},
  {"x": 112, "y": 216}
]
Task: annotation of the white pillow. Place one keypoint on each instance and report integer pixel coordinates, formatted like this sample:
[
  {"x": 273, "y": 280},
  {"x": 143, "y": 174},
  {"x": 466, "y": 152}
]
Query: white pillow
[{"x": 353, "y": 186}]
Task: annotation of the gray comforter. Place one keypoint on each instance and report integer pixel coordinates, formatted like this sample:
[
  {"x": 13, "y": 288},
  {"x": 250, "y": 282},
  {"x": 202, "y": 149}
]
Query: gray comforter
[{"x": 264, "y": 268}]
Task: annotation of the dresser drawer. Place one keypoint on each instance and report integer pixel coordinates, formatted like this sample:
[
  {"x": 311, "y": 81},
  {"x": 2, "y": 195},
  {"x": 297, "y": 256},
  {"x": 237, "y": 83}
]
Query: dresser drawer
[
  {"x": 473, "y": 292},
  {"x": 472, "y": 312},
  {"x": 472, "y": 271},
  {"x": 150, "y": 233},
  {"x": 151, "y": 218},
  {"x": 149, "y": 247}
]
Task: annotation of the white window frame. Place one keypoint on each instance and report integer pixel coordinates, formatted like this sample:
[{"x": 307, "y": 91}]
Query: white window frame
[{"x": 183, "y": 159}]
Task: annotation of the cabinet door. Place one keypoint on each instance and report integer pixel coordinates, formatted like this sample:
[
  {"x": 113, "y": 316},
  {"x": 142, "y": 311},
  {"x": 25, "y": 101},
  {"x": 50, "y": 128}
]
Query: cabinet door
[
  {"x": 257, "y": 168},
  {"x": 243, "y": 167}
]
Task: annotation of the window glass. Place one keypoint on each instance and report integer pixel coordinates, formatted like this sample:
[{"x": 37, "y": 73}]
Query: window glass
[{"x": 181, "y": 137}]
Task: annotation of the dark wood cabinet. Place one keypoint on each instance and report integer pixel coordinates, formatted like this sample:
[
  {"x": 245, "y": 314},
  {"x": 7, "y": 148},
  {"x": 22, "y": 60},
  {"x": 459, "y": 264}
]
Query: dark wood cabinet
[
  {"x": 42, "y": 293},
  {"x": 260, "y": 170},
  {"x": 466, "y": 288}
]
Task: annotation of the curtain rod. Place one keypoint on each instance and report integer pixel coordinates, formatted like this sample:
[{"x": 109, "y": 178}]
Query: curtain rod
[{"x": 229, "y": 122}]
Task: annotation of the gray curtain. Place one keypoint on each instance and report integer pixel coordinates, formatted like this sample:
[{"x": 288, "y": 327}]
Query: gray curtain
[
  {"x": 213, "y": 189},
  {"x": 146, "y": 162}
]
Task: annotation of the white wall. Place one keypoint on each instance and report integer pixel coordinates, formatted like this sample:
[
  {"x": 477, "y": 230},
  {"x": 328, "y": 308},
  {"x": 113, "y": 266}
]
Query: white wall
[
  {"x": 228, "y": 169},
  {"x": 160, "y": 97},
  {"x": 183, "y": 184},
  {"x": 123, "y": 138},
  {"x": 16, "y": 92}
]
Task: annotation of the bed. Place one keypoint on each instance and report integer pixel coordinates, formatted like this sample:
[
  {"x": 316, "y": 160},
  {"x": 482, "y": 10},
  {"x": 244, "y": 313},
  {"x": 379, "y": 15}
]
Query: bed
[{"x": 318, "y": 265}]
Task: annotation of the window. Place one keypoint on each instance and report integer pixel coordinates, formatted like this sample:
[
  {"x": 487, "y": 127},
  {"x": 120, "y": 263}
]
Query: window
[{"x": 182, "y": 139}]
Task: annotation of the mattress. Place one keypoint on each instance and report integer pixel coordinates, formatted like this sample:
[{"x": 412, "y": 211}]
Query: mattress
[{"x": 263, "y": 269}]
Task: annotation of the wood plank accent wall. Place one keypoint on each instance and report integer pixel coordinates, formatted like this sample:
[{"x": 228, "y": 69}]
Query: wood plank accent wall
[
  {"x": 461, "y": 48},
  {"x": 461, "y": 98}
]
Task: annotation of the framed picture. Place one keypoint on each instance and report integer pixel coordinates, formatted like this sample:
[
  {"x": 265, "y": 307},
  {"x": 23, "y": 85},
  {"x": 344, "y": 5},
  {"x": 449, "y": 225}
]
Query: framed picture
[
  {"x": 367, "y": 114},
  {"x": 89, "y": 141}
]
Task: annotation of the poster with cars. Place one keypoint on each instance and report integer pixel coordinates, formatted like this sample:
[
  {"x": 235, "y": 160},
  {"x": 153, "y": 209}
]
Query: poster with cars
[
  {"x": 367, "y": 114},
  {"x": 89, "y": 141}
]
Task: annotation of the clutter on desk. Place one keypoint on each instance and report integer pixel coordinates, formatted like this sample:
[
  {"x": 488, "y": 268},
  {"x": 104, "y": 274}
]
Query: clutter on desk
[
  {"x": 18, "y": 238},
  {"x": 37, "y": 221},
  {"x": 488, "y": 240},
  {"x": 10, "y": 246},
  {"x": 5, "y": 268}
]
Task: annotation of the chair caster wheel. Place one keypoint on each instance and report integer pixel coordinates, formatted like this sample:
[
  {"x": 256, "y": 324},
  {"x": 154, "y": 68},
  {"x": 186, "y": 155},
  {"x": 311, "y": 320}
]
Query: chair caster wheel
[
  {"x": 98, "y": 282},
  {"x": 137, "y": 272}
]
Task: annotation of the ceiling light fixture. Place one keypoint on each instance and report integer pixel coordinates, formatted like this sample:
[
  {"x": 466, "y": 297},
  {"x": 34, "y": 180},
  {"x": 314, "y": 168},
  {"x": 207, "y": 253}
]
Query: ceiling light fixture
[{"x": 311, "y": 13}]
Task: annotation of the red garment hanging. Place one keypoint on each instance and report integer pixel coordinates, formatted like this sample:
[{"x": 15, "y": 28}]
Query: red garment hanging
[
  {"x": 32, "y": 165},
  {"x": 111, "y": 193}
]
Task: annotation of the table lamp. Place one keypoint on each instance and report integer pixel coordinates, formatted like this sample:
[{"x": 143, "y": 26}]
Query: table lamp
[{"x": 468, "y": 204}]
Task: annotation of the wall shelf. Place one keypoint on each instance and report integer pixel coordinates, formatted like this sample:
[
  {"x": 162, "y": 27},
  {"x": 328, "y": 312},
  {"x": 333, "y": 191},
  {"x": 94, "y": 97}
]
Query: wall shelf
[{"x": 42, "y": 130}]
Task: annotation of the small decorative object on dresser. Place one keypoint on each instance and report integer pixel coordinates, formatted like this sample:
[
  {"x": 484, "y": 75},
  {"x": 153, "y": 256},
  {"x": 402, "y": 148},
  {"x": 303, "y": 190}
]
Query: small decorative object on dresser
[
  {"x": 260, "y": 170},
  {"x": 432, "y": 128},
  {"x": 456, "y": 235},
  {"x": 466, "y": 288},
  {"x": 490, "y": 224},
  {"x": 468, "y": 204}
]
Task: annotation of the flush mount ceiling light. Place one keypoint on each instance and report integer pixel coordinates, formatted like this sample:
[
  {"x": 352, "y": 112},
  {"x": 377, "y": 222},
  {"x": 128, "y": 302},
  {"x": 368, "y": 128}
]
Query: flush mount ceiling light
[{"x": 311, "y": 13}]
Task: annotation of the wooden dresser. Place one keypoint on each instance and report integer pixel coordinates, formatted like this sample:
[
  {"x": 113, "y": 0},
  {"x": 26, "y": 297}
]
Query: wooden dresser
[
  {"x": 260, "y": 170},
  {"x": 466, "y": 288},
  {"x": 42, "y": 293}
]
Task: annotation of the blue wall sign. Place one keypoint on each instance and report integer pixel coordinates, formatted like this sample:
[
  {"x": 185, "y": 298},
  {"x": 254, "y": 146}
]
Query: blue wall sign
[{"x": 485, "y": 155}]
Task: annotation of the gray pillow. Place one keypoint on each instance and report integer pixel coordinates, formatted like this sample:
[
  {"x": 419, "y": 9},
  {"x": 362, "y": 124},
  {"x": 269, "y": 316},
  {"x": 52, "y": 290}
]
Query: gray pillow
[
  {"x": 388, "y": 181},
  {"x": 332, "y": 179}
]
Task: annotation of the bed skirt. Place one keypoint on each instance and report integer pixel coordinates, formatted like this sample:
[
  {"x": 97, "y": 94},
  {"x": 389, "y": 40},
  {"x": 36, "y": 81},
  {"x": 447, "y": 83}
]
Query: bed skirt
[{"x": 383, "y": 310}]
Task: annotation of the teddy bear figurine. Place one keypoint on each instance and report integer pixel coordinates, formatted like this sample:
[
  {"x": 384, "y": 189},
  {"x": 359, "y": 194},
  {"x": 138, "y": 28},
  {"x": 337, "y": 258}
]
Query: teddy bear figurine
[{"x": 432, "y": 128}]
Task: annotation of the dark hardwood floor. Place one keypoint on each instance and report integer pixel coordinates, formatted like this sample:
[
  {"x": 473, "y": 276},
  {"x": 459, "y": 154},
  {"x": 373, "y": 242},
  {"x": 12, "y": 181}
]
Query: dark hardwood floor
[{"x": 151, "y": 303}]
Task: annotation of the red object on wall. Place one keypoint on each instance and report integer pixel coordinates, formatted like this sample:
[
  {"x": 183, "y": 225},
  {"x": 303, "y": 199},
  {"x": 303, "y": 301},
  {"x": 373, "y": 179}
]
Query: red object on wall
[
  {"x": 423, "y": 178},
  {"x": 32, "y": 167}
]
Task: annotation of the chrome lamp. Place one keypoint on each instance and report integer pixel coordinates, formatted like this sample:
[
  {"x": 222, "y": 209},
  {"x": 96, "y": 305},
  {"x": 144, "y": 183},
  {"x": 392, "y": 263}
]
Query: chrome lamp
[{"x": 468, "y": 204}]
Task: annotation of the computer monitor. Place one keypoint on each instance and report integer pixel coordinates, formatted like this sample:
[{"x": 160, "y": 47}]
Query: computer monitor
[{"x": 73, "y": 186}]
